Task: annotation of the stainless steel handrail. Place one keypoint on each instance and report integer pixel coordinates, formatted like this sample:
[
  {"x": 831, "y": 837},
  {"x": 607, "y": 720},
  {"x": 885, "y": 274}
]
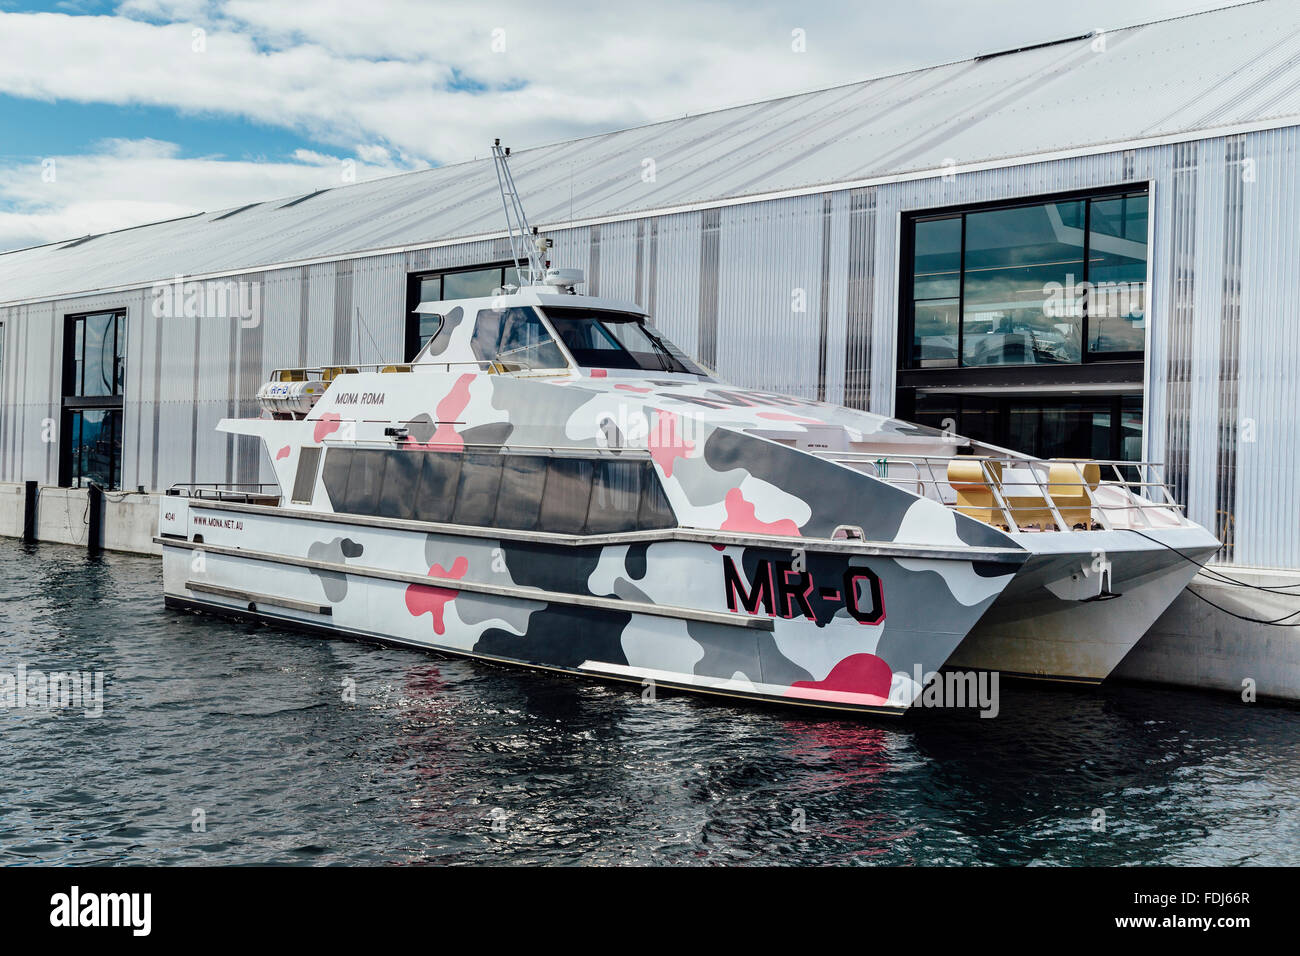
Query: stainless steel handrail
[
  {"x": 354, "y": 368},
  {"x": 225, "y": 490},
  {"x": 1030, "y": 478}
]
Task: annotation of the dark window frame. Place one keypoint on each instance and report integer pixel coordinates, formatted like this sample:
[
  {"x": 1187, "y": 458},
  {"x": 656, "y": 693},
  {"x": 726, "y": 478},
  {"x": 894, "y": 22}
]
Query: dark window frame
[
  {"x": 907, "y": 269},
  {"x": 75, "y": 403},
  {"x": 414, "y": 280}
]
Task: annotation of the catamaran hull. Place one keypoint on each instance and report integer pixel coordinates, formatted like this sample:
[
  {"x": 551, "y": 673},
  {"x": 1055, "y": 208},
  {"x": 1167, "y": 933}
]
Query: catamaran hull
[
  {"x": 1072, "y": 616},
  {"x": 835, "y": 630}
]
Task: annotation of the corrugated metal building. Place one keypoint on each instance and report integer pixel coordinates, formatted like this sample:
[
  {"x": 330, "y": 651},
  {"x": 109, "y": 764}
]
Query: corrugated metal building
[{"x": 776, "y": 242}]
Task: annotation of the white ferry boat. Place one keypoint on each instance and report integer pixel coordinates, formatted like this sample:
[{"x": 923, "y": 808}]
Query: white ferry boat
[{"x": 551, "y": 483}]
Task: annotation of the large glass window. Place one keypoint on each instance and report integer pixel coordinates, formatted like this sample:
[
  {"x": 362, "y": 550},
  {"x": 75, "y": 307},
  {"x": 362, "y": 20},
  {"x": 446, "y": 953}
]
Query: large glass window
[
  {"x": 1050, "y": 283},
  {"x": 936, "y": 292},
  {"x": 1012, "y": 258},
  {"x": 1117, "y": 270},
  {"x": 97, "y": 355},
  {"x": 94, "y": 437},
  {"x": 94, "y": 380}
]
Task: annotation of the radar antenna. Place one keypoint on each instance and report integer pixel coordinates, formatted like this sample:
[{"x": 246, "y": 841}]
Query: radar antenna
[{"x": 527, "y": 249}]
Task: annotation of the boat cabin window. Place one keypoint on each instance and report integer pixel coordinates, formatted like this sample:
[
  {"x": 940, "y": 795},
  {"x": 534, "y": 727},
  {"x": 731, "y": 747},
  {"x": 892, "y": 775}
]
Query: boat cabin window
[
  {"x": 602, "y": 339},
  {"x": 304, "y": 482},
  {"x": 494, "y": 489},
  {"x": 516, "y": 339}
]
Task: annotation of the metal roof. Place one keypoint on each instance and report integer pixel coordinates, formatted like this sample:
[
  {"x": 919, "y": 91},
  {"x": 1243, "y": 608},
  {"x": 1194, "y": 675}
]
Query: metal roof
[{"x": 1235, "y": 68}]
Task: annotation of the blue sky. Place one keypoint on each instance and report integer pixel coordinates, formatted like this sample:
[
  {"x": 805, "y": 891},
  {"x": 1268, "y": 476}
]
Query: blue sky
[{"x": 117, "y": 113}]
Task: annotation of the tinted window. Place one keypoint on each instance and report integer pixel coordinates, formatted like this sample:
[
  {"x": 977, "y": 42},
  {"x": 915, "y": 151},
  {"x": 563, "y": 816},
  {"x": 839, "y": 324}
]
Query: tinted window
[
  {"x": 491, "y": 489},
  {"x": 95, "y": 447},
  {"x": 304, "y": 483},
  {"x": 568, "y": 491},
  {"x": 401, "y": 484},
  {"x": 523, "y": 478},
  {"x": 439, "y": 479},
  {"x": 599, "y": 339},
  {"x": 100, "y": 355},
  {"x": 335, "y": 475},
  {"x": 615, "y": 496},
  {"x": 471, "y": 285},
  {"x": 656, "y": 512},
  {"x": 476, "y": 495},
  {"x": 516, "y": 339},
  {"x": 365, "y": 479},
  {"x": 1020, "y": 285}
]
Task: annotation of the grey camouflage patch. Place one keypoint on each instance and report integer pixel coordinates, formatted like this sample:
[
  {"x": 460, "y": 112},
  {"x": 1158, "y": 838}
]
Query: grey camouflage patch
[{"x": 336, "y": 551}]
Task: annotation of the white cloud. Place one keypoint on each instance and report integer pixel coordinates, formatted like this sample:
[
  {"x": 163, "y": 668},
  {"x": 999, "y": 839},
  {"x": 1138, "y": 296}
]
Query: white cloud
[
  {"x": 387, "y": 82},
  {"x": 125, "y": 182}
]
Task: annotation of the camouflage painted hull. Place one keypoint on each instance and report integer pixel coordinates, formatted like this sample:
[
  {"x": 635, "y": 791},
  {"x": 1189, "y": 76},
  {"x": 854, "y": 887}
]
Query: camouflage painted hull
[{"x": 667, "y": 612}]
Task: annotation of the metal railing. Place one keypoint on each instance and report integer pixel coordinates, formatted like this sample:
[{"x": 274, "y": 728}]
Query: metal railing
[
  {"x": 247, "y": 492},
  {"x": 1127, "y": 494},
  {"x": 327, "y": 373}
]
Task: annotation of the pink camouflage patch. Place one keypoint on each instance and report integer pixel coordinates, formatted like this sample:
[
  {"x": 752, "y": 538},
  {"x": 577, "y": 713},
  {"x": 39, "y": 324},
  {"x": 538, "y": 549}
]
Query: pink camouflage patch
[
  {"x": 327, "y": 424},
  {"x": 741, "y": 517},
  {"x": 666, "y": 441},
  {"x": 432, "y": 599},
  {"x": 449, "y": 410}
]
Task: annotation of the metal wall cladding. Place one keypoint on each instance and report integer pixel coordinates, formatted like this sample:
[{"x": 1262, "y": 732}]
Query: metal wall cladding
[
  {"x": 769, "y": 295},
  {"x": 798, "y": 295},
  {"x": 1265, "y": 506}
]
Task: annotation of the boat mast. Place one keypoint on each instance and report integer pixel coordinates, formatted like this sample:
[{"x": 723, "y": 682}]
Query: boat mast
[{"x": 525, "y": 244}]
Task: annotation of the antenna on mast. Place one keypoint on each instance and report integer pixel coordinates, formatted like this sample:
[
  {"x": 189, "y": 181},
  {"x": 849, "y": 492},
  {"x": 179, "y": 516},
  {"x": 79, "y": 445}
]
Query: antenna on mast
[{"x": 525, "y": 245}]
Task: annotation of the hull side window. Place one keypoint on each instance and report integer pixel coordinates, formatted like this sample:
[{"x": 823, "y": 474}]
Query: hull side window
[
  {"x": 438, "y": 481},
  {"x": 365, "y": 480},
  {"x": 476, "y": 495},
  {"x": 523, "y": 480},
  {"x": 655, "y": 513},
  {"x": 615, "y": 495},
  {"x": 401, "y": 485},
  {"x": 518, "y": 492},
  {"x": 568, "y": 491}
]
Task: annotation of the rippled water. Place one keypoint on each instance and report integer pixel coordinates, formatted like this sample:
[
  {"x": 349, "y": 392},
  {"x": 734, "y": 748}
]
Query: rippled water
[{"x": 452, "y": 761}]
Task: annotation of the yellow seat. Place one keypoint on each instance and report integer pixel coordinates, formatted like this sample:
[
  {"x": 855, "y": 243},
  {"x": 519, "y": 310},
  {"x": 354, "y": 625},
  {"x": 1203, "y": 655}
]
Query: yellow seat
[
  {"x": 975, "y": 498},
  {"x": 1068, "y": 482}
]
